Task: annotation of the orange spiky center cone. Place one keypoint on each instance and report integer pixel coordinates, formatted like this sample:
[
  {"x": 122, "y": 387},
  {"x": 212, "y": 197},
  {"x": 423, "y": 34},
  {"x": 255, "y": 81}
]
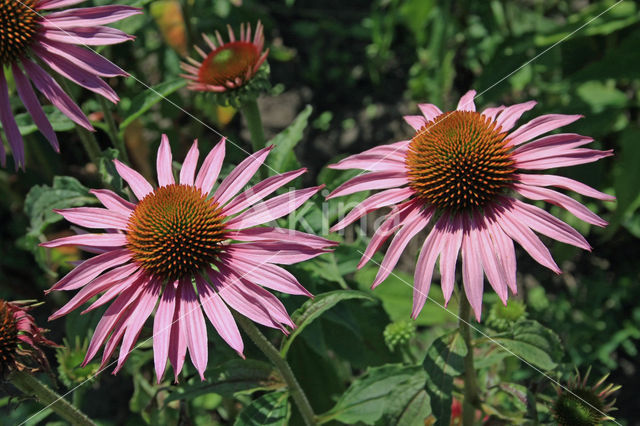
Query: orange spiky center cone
[
  {"x": 18, "y": 24},
  {"x": 233, "y": 61},
  {"x": 459, "y": 161},
  {"x": 175, "y": 231},
  {"x": 8, "y": 337}
]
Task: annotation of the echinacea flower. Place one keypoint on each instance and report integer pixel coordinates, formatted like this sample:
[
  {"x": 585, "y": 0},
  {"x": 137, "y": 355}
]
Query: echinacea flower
[
  {"x": 21, "y": 340},
  {"x": 187, "y": 249},
  {"x": 465, "y": 173},
  {"x": 29, "y": 36},
  {"x": 228, "y": 66},
  {"x": 578, "y": 404}
]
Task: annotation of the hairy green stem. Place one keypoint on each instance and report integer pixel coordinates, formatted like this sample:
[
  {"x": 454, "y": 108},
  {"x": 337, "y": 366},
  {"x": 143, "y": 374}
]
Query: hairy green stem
[
  {"x": 281, "y": 364},
  {"x": 31, "y": 386},
  {"x": 471, "y": 398},
  {"x": 114, "y": 133},
  {"x": 251, "y": 114}
]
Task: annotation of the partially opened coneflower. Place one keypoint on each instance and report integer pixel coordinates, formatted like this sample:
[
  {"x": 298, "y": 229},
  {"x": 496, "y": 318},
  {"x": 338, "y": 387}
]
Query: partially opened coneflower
[
  {"x": 465, "y": 174},
  {"x": 31, "y": 36},
  {"x": 21, "y": 340},
  {"x": 231, "y": 67},
  {"x": 187, "y": 249}
]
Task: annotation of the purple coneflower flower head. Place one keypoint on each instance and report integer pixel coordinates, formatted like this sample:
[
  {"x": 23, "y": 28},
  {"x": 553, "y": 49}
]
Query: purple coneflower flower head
[
  {"x": 30, "y": 35},
  {"x": 187, "y": 248},
  {"x": 21, "y": 340},
  {"x": 228, "y": 66},
  {"x": 464, "y": 175}
]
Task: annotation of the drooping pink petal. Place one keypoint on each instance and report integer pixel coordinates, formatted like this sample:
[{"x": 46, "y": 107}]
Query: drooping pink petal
[
  {"x": 114, "y": 202},
  {"x": 219, "y": 315},
  {"x": 415, "y": 121},
  {"x": 136, "y": 279},
  {"x": 275, "y": 252},
  {"x": 539, "y": 126},
  {"x": 138, "y": 184},
  {"x": 371, "y": 180},
  {"x": 260, "y": 191},
  {"x": 94, "y": 240},
  {"x": 414, "y": 223},
  {"x": 563, "y": 182},
  {"x": 210, "y": 168},
  {"x": 188, "y": 171},
  {"x": 91, "y": 268},
  {"x": 508, "y": 118},
  {"x": 472, "y": 276},
  {"x": 9, "y": 124},
  {"x": 374, "y": 202},
  {"x": 95, "y": 217},
  {"x": 56, "y": 4},
  {"x": 424, "y": 268},
  {"x": 430, "y": 111},
  {"x": 491, "y": 262},
  {"x": 162, "y": 329},
  {"x": 178, "y": 340},
  {"x": 86, "y": 36},
  {"x": 268, "y": 233},
  {"x": 164, "y": 163},
  {"x": 196, "y": 329},
  {"x": 272, "y": 209},
  {"x": 116, "y": 337},
  {"x": 449, "y": 255},
  {"x": 372, "y": 162},
  {"x": 30, "y": 101},
  {"x": 240, "y": 176},
  {"x": 89, "y": 16},
  {"x": 491, "y": 113},
  {"x": 466, "y": 101},
  {"x": 577, "y": 156},
  {"x": 395, "y": 151},
  {"x": 505, "y": 250},
  {"x": 83, "y": 58}
]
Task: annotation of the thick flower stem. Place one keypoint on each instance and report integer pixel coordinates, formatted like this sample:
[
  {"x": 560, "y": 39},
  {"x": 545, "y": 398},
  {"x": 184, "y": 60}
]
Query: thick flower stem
[
  {"x": 114, "y": 134},
  {"x": 251, "y": 114},
  {"x": 471, "y": 398},
  {"x": 90, "y": 144},
  {"x": 281, "y": 364},
  {"x": 31, "y": 386}
]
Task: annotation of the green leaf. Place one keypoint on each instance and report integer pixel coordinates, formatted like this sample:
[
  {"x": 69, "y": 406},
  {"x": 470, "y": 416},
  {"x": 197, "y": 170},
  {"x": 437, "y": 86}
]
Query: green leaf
[
  {"x": 270, "y": 409},
  {"x": 416, "y": 411},
  {"x": 385, "y": 391},
  {"x": 59, "y": 121},
  {"x": 312, "y": 309},
  {"x": 534, "y": 343},
  {"x": 282, "y": 158},
  {"x": 233, "y": 376},
  {"x": 145, "y": 100},
  {"x": 626, "y": 177},
  {"x": 443, "y": 362},
  {"x": 107, "y": 169}
]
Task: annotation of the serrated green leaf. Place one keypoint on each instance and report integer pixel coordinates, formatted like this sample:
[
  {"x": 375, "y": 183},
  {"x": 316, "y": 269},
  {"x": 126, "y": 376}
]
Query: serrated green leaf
[
  {"x": 233, "y": 376},
  {"x": 443, "y": 362},
  {"x": 312, "y": 309},
  {"x": 145, "y": 100},
  {"x": 381, "y": 392},
  {"x": 271, "y": 409},
  {"x": 534, "y": 343},
  {"x": 282, "y": 158}
]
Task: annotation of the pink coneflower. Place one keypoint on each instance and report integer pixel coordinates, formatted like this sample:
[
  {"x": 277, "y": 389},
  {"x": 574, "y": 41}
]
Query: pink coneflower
[
  {"x": 228, "y": 65},
  {"x": 29, "y": 36},
  {"x": 20, "y": 340},
  {"x": 465, "y": 171},
  {"x": 189, "y": 250}
]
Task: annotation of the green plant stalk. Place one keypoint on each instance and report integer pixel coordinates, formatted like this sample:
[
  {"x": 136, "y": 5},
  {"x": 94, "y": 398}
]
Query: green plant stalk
[
  {"x": 114, "y": 134},
  {"x": 90, "y": 144},
  {"x": 31, "y": 386},
  {"x": 471, "y": 398},
  {"x": 251, "y": 114},
  {"x": 281, "y": 364}
]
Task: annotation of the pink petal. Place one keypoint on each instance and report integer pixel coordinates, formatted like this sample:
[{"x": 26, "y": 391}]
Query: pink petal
[
  {"x": 560, "y": 143},
  {"x": 88, "y": 16},
  {"x": 219, "y": 315},
  {"x": 210, "y": 169},
  {"x": 196, "y": 329},
  {"x": 272, "y": 209},
  {"x": 55, "y": 4},
  {"x": 491, "y": 261},
  {"x": 430, "y": 111},
  {"x": 395, "y": 151},
  {"x": 504, "y": 249},
  {"x": 376, "y": 201},
  {"x": 373, "y": 162},
  {"x": 9, "y": 124},
  {"x": 260, "y": 191},
  {"x": 540, "y": 125},
  {"x": 94, "y": 240},
  {"x": 91, "y": 268},
  {"x": 547, "y": 159},
  {"x": 472, "y": 276},
  {"x": 187, "y": 173},
  {"x": 28, "y": 96},
  {"x": 508, "y": 118},
  {"x": 449, "y": 255},
  {"x": 164, "y": 163},
  {"x": 162, "y": 329},
  {"x": 114, "y": 202},
  {"x": 274, "y": 252},
  {"x": 414, "y": 223},
  {"x": 268, "y": 233},
  {"x": 138, "y": 184},
  {"x": 466, "y": 101},
  {"x": 115, "y": 338},
  {"x": 83, "y": 58},
  {"x": 415, "y": 121},
  {"x": 565, "y": 183},
  {"x": 491, "y": 113},
  {"x": 424, "y": 268},
  {"x": 86, "y": 36},
  {"x": 178, "y": 340},
  {"x": 371, "y": 180},
  {"x": 240, "y": 176},
  {"x": 95, "y": 217},
  {"x": 136, "y": 279}
]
